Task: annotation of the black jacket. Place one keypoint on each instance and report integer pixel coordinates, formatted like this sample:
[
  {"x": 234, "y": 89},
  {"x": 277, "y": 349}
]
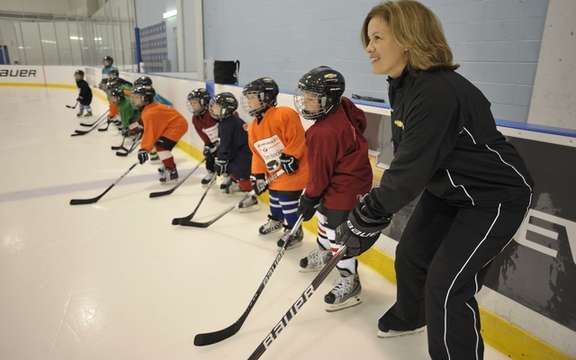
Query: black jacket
[
  {"x": 446, "y": 141},
  {"x": 85, "y": 95}
]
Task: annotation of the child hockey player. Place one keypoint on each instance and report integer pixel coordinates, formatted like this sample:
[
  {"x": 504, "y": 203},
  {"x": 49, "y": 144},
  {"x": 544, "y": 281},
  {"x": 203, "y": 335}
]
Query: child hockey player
[
  {"x": 163, "y": 127},
  {"x": 84, "y": 98},
  {"x": 108, "y": 63},
  {"x": 276, "y": 138},
  {"x": 340, "y": 173},
  {"x": 233, "y": 157},
  {"x": 206, "y": 127},
  {"x": 115, "y": 81},
  {"x": 128, "y": 115},
  {"x": 146, "y": 81}
]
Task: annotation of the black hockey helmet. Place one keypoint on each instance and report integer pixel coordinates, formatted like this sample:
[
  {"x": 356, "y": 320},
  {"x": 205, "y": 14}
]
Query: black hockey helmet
[
  {"x": 147, "y": 94},
  {"x": 107, "y": 60},
  {"x": 143, "y": 81},
  {"x": 267, "y": 91},
  {"x": 113, "y": 74},
  {"x": 79, "y": 73},
  {"x": 326, "y": 85},
  {"x": 202, "y": 96},
  {"x": 228, "y": 105}
]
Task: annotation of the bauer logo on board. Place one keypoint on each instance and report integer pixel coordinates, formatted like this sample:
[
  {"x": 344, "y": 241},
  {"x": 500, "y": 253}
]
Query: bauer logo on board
[{"x": 25, "y": 73}]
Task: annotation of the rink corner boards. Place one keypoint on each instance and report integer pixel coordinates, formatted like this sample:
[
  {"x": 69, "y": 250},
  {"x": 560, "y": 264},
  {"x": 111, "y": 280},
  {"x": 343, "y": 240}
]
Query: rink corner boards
[{"x": 501, "y": 334}]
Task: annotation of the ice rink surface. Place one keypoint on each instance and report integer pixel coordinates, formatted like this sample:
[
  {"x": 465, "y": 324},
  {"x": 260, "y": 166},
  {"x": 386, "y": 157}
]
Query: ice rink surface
[{"x": 115, "y": 280}]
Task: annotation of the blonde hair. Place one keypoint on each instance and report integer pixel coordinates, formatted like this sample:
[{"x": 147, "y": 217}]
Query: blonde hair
[{"x": 415, "y": 28}]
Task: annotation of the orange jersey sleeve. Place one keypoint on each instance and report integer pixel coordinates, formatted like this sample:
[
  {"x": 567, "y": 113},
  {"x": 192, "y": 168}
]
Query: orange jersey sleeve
[{"x": 161, "y": 120}]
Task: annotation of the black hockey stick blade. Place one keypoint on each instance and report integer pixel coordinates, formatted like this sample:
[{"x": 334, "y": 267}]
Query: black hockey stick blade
[
  {"x": 84, "y": 132},
  {"x": 217, "y": 336},
  {"x": 135, "y": 144},
  {"x": 72, "y": 106},
  {"x": 170, "y": 191},
  {"x": 84, "y": 201},
  {"x": 119, "y": 147},
  {"x": 95, "y": 199},
  {"x": 97, "y": 120},
  {"x": 186, "y": 222},
  {"x": 297, "y": 306},
  {"x": 206, "y": 224},
  {"x": 105, "y": 128}
]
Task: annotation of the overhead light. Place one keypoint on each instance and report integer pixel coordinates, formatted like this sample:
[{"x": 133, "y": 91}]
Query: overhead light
[
  {"x": 76, "y": 37},
  {"x": 97, "y": 38},
  {"x": 169, "y": 14},
  {"x": 49, "y": 41}
]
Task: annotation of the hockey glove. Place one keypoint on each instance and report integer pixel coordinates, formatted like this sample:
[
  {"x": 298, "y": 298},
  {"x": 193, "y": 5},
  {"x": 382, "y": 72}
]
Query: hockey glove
[
  {"x": 258, "y": 182},
  {"x": 289, "y": 163},
  {"x": 308, "y": 206},
  {"x": 210, "y": 150},
  {"x": 362, "y": 228},
  {"x": 143, "y": 156}
]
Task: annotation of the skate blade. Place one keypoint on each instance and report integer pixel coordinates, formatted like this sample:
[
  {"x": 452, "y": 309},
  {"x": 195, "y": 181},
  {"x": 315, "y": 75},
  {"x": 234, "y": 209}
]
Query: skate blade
[
  {"x": 394, "y": 333},
  {"x": 353, "y": 301},
  {"x": 249, "y": 209}
]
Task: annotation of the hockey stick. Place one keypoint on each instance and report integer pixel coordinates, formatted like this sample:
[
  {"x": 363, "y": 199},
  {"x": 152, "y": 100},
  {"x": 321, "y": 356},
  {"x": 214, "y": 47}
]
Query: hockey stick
[
  {"x": 84, "y": 132},
  {"x": 94, "y": 122},
  {"x": 208, "y": 223},
  {"x": 95, "y": 199},
  {"x": 217, "y": 336},
  {"x": 121, "y": 146},
  {"x": 135, "y": 143},
  {"x": 168, "y": 192},
  {"x": 177, "y": 221},
  {"x": 105, "y": 128},
  {"x": 72, "y": 107},
  {"x": 297, "y": 306}
]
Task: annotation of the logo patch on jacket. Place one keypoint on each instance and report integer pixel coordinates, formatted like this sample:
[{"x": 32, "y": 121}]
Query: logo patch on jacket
[{"x": 399, "y": 123}]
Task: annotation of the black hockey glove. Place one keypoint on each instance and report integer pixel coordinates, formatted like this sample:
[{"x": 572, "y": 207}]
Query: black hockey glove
[
  {"x": 143, "y": 156},
  {"x": 210, "y": 150},
  {"x": 289, "y": 163},
  {"x": 362, "y": 228},
  {"x": 258, "y": 182},
  {"x": 308, "y": 206}
]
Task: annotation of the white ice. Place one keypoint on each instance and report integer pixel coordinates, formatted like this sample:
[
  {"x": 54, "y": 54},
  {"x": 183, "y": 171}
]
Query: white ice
[{"x": 116, "y": 280}]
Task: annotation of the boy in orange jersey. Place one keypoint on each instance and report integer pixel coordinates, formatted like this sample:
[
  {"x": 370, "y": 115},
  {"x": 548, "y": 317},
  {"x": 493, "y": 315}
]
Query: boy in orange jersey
[
  {"x": 276, "y": 138},
  {"x": 163, "y": 127}
]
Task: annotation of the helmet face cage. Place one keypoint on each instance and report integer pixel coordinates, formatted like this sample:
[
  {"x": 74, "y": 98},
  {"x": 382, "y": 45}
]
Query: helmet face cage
[
  {"x": 110, "y": 84},
  {"x": 142, "y": 96},
  {"x": 324, "y": 84},
  {"x": 113, "y": 74},
  {"x": 266, "y": 91},
  {"x": 203, "y": 98},
  {"x": 117, "y": 94},
  {"x": 222, "y": 105},
  {"x": 311, "y": 105},
  {"x": 254, "y": 111}
]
